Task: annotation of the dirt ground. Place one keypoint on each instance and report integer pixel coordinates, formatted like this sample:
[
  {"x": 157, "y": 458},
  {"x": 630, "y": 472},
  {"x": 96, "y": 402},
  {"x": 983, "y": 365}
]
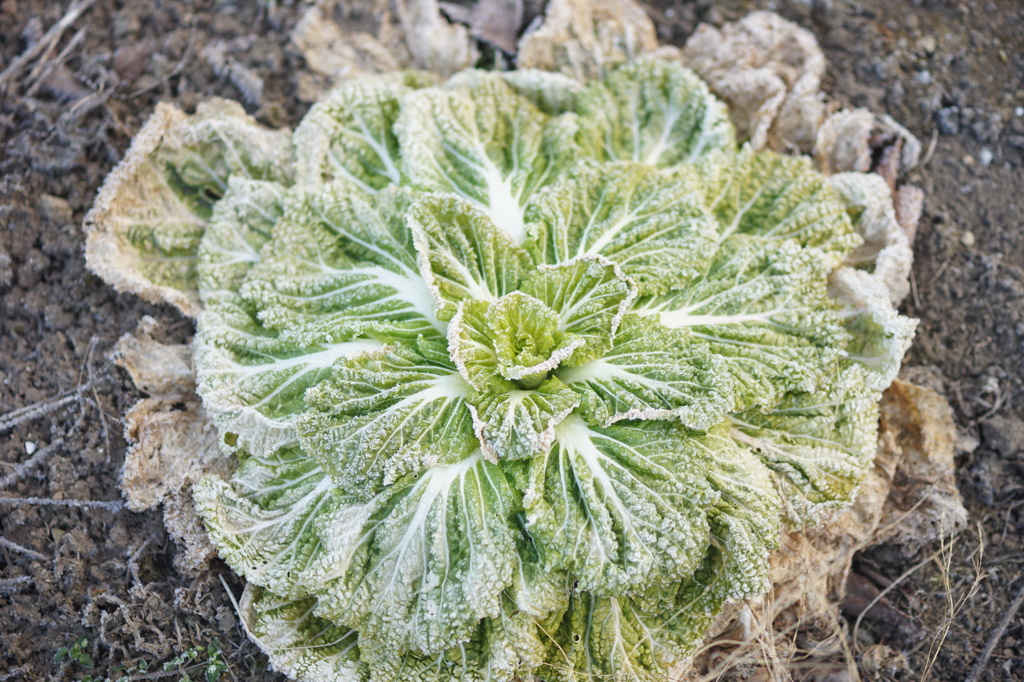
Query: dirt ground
[{"x": 953, "y": 72}]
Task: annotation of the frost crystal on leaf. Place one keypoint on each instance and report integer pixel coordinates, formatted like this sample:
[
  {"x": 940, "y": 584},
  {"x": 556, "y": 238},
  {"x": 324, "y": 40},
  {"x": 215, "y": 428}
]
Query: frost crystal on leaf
[{"x": 524, "y": 375}]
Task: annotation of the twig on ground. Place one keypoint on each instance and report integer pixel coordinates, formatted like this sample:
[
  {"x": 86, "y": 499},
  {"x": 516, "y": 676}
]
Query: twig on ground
[
  {"x": 913, "y": 290},
  {"x": 133, "y": 560},
  {"x": 40, "y": 456},
  {"x": 14, "y": 69},
  {"x": 41, "y": 409},
  {"x": 13, "y": 673},
  {"x": 944, "y": 560},
  {"x": 8, "y": 585},
  {"x": 37, "y": 78},
  {"x": 15, "y": 547},
  {"x": 109, "y": 505},
  {"x": 997, "y": 634},
  {"x": 29, "y": 412},
  {"x": 871, "y": 604},
  {"x": 96, "y": 395},
  {"x": 186, "y": 55}
]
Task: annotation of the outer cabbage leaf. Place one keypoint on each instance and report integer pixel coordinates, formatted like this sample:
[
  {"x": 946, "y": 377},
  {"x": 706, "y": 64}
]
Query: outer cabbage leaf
[
  {"x": 652, "y": 111},
  {"x": 651, "y": 223},
  {"x": 744, "y": 521},
  {"x": 241, "y": 223},
  {"x": 340, "y": 265},
  {"x": 622, "y": 507},
  {"x": 299, "y": 644},
  {"x": 145, "y": 227},
  {"x": 385, "y": 414},
  {"x": 819, "y": 444},
  {"x": 349, "y": 134},
  {"x": 652, "y": 372},
  {"x": 485, "y": 144},
  {"x": 501, "y": 649},
  {"x": 775, "y": 197},
  {"x": 636, "y": 637},
  {"x": 886, "y": 252},
  {"x": 552, "y": 93},
  {"x": 462, "y": 254},
  {"x": 263, "y": 520},
  {"x": 879, "y": 335},
  {"x": 764, "y": 309},
  {"x": 253, "y": 380},
  {"x": 431, "y": 561},
  {"x": 604, "y": 638}
]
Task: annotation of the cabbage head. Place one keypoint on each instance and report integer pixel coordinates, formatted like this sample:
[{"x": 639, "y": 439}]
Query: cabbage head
[{"x": 524, "y": 375}]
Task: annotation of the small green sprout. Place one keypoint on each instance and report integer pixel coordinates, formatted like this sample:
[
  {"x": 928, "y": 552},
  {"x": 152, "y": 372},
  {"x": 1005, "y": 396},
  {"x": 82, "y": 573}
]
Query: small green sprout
[{"x": 76, "y": 653}]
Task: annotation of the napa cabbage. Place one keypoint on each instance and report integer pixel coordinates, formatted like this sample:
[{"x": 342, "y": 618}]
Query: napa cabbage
[{"x": 524, "y": 376}]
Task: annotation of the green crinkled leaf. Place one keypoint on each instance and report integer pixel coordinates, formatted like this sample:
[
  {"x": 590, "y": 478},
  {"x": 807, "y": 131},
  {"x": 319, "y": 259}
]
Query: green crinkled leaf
[
  {"x": 536, "y": 590},
  {"x": 472, "y": 348},
  {"x": 819, "y": 445},
  {"x": 341, "y": 265},
  {"x": 774, "y": 197},
  {"x": 652, "y": 372},
  {"x": 764, "y": 310},
  {"x": 349, "y": 135},
  {"x": 262, "y": 520},
  {"x": 526, "y": 338},
  {"x": 745, "y": 520},
  {"x": 563, "y": 315},
  {"x": 483, "y": 143},
  {"x": 520, "y": 424},
  {"x": 431, "y": 561},
  {"x": 241, "y": 223},
  {"x": 253, "y": 381},
  {"x": 637, "y": 637},
  {"x": 654, "y": 112},
  {"x": 386, "y": 414},
  {"x": 463, "y": 255},
  {"x": 589, "y": 296},
  {"x": 651, "y": 223},
  {"x": 604, "y": 638},
  {"x": 501, "y": 649},
  {"x": 621, "y": 507},
  {"x": 299, "y": 644}
]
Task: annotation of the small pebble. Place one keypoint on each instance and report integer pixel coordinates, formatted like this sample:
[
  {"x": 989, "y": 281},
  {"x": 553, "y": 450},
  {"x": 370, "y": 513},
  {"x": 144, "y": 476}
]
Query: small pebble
[
  {"x": 968, "y": 160},
  {"x": 927, "y": 44},
  {"x": 967, "y": 239},
  {"x": 923, "y": 77},
  {"x": 30, "y": 447},
  {"x": 985, "y": 156},
  {"x": 1018, "y": 112},
  {"x": 948, "y": 120}
]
